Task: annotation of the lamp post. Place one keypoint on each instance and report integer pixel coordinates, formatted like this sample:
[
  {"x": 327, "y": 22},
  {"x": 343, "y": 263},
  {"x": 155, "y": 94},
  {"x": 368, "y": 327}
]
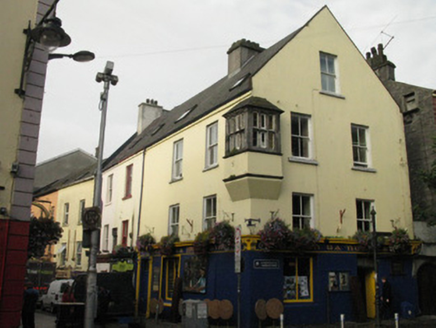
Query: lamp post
[
  {"x": 91, "y": 290},
  {"x": 374, "y": 242}
]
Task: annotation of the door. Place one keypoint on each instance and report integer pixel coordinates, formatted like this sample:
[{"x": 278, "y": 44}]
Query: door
[
  {"x": 426, "y": 288},
  {"x": 370, "y": 294}
]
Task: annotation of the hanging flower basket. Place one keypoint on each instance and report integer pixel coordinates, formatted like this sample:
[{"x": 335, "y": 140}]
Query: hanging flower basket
[
  {"x": 201, "y": 243},
  {"x": 122, "y": 252},
  {"x": 223, "y": 235},
  {"x": 166, "y": 245},
  {"x": 145, "y": 243},
  {"x": 274, "y": 235},
  {"x": 305, "y": 239},
  {"x": 399, "y": 241},
  {"x": 365, "y": 240}
]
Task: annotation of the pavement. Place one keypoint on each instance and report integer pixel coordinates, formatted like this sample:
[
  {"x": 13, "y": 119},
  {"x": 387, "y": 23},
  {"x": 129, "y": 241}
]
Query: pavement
[{"x": 47, "y": 320}]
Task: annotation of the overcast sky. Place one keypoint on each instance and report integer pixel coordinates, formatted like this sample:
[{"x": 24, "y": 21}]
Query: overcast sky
[{"x": 169, "y": 50}]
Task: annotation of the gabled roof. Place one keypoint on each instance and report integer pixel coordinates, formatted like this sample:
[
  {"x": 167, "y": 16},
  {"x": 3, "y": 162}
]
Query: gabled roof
[{"x": 218, "y": 94}]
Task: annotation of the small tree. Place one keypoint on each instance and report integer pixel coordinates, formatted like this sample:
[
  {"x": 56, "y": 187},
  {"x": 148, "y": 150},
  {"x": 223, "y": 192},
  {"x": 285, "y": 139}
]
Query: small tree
[{"x": 42, "y": 232}]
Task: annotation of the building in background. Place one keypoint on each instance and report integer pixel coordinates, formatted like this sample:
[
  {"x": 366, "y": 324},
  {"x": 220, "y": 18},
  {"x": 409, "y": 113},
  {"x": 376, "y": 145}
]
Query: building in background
[{"x": 418, "y": 106}]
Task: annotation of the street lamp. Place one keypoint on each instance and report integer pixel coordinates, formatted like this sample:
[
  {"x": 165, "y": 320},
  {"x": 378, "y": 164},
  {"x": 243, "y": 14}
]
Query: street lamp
[
  {"x": 374, "y": 243},
  {"x": 80, "y": 56},
  {"x": 50, "y": 34},
  {"x": 91, "y": 290}
]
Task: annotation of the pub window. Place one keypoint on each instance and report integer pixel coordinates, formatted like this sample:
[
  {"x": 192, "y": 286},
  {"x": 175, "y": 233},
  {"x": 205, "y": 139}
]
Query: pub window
[{"x": 297, "y": 274}]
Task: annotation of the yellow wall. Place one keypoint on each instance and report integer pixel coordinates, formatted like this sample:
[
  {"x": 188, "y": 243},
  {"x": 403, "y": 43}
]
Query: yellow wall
[
  {"x": 73, "y": 230},
  {"x": 11, "y": 106},
  {"x": 296, "y": 75},
  {"x": 292, "y": 82}
]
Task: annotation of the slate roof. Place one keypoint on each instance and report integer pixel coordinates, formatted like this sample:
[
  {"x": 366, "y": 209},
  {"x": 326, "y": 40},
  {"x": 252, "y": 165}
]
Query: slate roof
[
  {"x": 201, "y": 104},
  {"x": 59, "y": 167}
]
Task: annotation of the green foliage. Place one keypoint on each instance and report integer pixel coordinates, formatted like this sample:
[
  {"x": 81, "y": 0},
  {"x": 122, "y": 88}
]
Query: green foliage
[
  {"x": 145, "y": 242},
  {"x": 365, "y": 240},
  {"x": 223, "y": 234},
  {"x": 167, "y": 244},
  {"x": 201, "y": 242},
  {"x": 123, "y": 252},
  {"x": 42, "y": 232},
  {"x": 399, "y": 241}
]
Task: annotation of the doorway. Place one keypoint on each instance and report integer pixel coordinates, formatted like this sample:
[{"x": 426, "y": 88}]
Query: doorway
[{"x": 426, "y": 288}]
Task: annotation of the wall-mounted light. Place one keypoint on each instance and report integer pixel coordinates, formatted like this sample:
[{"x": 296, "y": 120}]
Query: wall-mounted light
[{"x": 50, "y": 34}]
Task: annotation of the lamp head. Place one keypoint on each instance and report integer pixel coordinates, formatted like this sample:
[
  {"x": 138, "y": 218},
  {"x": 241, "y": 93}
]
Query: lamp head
[{"x": 51, "y": 35}]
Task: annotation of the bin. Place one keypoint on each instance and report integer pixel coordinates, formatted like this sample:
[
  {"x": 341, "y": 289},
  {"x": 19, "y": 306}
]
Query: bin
[
  {"x": 70, "y": 315},
  {"x": 194, "y": 314}
]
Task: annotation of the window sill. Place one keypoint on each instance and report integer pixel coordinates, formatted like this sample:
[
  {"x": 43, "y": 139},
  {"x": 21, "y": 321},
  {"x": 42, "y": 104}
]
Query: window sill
[
  {"x": 108, "y": 203},
  {"x": 127, "y": 197},
  {"x": 364, "y": 169},
  {"x": 210, "y": 167},
  {"x": 302, "y": 160},
  {"x": 176, "y": 179},
  {"x": 332, "y": 94}
]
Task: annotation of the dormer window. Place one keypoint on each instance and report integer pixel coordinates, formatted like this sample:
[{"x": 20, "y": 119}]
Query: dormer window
[
  {"x": 410, "y": 102},
  {"x": 253, "y": 125}
]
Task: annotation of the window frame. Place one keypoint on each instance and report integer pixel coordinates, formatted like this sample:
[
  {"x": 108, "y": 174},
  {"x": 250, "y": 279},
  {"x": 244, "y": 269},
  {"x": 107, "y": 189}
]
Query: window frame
[
  {"x": 106, "y": 238},
  {"x": 109, "y": 188},
  {"x": 174, "y": 213},
  {"x": 79, "y": 253},
  {"x": 362, "y": 222},
  {"x": 177, "y": 165},
  {"x": 206, "y": 217},
  {"x": 331, "y": 78},
  {"x": 82, "y": 206},
  {"x": 63, "y": 254},
  {"x": 302, "y": 138},
  {"x": 66, "y": 214},
  {"x": 125, "y": 233},
  {"x": 114, "y": 238},
  {"x": 128, "y": 182},
  {"x": 211, "y": 145},
  {"x": 302, "y": 217},
  {"x": 358, "y": 146},
  {"x": 297, "y": 284}
]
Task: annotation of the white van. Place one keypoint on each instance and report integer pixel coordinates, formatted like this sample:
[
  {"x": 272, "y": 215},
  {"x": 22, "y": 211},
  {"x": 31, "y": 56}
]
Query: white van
[{"x": 54, "y": 294}]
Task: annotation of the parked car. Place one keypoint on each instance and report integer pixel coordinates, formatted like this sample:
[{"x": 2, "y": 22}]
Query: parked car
[{"x": 53, "y": 297}]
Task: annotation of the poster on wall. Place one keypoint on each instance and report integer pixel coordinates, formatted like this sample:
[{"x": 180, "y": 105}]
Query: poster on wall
[
  {"x": 289, "y": 288},
  {"x": 333, "y": 282},
  {"x": 303, "y": 287},
  {"x": 194, "y": 275}
]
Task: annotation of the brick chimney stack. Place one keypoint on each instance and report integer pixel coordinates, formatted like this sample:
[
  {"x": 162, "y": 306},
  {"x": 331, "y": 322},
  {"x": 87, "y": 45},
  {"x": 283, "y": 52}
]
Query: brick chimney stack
[
  {"x": 147, "y": 113},
  {"x": 239, "y": 53},
  {"x": 380, "y": 64}
]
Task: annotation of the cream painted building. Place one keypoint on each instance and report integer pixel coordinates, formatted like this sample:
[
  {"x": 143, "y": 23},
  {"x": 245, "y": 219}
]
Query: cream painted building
[
  {"x": 303, "y": 130},
  {"x": 72, "y": 200}
]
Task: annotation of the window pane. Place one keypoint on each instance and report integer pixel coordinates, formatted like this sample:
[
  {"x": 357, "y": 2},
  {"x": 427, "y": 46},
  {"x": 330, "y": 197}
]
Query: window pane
[{"x": 303, "y": 278}]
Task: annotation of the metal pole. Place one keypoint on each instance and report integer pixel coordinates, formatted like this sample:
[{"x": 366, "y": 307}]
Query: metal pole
[
  {"x": 374, "y": 241},
  {"x": 397, "y": 324},
  {"x": 239, "y": 300},
  {"x": 342, "y": 320},
  {"x": 91, "y": 282}
]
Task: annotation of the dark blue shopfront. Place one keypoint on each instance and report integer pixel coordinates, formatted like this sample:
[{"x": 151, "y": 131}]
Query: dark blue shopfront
[{"x": 313, "y": 287}]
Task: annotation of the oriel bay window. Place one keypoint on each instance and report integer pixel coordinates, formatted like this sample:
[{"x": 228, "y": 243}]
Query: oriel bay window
[
  {"x": 253, "y": 125},
  {"x": 297, "y": 279}
]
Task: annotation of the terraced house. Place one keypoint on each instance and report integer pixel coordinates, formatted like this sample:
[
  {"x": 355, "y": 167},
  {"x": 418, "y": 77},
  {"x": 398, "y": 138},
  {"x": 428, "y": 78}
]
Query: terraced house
[{"x": 303, "y": 132}]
